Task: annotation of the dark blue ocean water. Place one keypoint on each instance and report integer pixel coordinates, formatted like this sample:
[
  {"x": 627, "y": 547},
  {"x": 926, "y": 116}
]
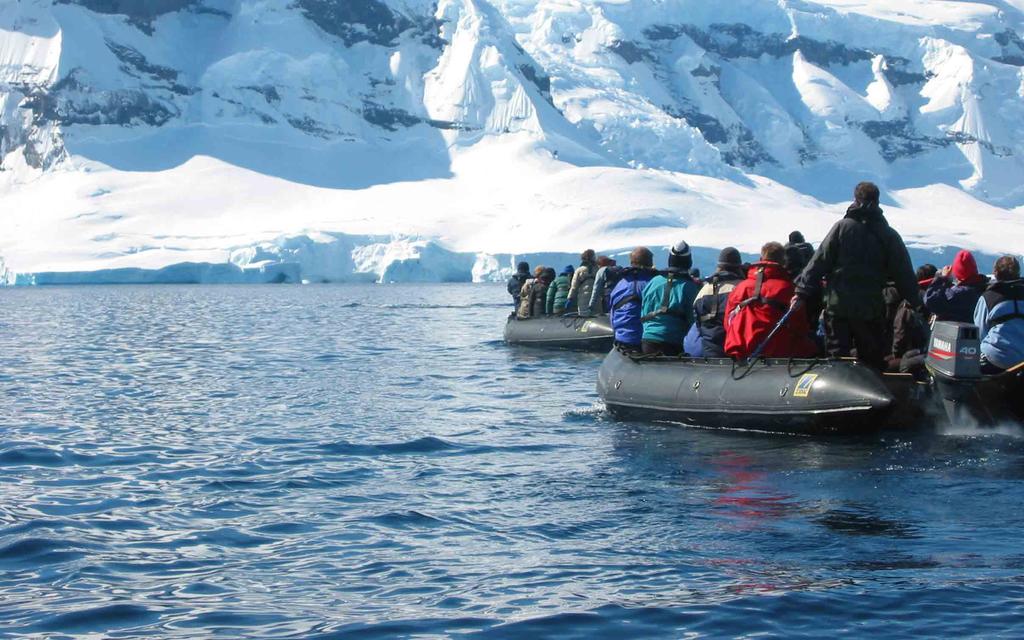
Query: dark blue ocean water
[{"x": 371, "y": 461}]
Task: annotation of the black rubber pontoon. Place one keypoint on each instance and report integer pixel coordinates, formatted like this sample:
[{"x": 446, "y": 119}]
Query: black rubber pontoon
[
  {"x": 561, "y": 332},
  {"x": 792, "y": 396},
  {"x": 817, "y": 396}
]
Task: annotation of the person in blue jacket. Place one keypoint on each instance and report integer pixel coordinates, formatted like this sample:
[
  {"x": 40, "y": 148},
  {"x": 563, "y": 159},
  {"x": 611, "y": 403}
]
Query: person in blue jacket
[
  {"x": 955, "y": 300},
  {"x": 668, "y": 305},
  {"x": 1000, "y": 319},
  {"x": 626, "y": 299}
]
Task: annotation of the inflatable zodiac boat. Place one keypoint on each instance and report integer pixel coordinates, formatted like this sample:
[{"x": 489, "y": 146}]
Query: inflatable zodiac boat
[
  {"x": 813, "y": 396},
  {"x": 561, "y": 332}
]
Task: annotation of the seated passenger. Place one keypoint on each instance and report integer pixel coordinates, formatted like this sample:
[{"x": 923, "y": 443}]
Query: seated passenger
[
  {"x": 516, "y": 282},
  {"x": 798, "y": 254},
  {"x": 534, "y": 294},
  {"x": 582, "y": 287},
  {"x": 758, "y": 303},
  {"x": 558, "y": 293},
  {"x": 627, "y": 296},
  {"x": 910, "y": 330},
  {"x": 709, "y": 307},
  {"x": 1000, "y": 318},
  {"x": 692, "y": 344},
  {"x": 602, "y": 285},
  {"x": 668, "y": 305},
  {"x": 956, "y": 301}
]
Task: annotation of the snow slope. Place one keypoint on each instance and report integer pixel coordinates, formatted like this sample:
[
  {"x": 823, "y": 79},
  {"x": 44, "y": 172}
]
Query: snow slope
[{"x": 284, "y": 140}]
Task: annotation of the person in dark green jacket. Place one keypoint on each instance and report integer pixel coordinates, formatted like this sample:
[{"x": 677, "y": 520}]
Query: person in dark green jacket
[
  {"x": 558, "y": 292},
  {"x": 858, "y": 257},
  {"x": 668, "y": 305}
]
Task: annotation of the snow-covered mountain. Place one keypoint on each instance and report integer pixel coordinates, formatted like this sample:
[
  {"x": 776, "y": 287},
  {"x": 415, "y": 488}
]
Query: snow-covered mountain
[{"x": 252, "y": 140}]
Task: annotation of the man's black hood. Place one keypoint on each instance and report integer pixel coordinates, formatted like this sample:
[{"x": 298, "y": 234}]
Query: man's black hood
[
  {"x": 868, "y": 212},
  {"x": 727, "y": 272}
]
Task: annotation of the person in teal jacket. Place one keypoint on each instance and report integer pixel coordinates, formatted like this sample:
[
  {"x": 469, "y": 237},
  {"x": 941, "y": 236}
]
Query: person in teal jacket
[
  {"x": 668, "y": 305},
  {"x": 558, "y": 292}
]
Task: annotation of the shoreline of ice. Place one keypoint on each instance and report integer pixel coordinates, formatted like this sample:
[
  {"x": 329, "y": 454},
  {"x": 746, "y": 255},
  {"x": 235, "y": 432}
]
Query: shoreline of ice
[{"x": 368, "y": 259}]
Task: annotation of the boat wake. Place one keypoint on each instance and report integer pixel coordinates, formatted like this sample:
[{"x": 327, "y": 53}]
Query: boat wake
[
  {"x": 595, "y": 411},
  {"x": 1005, "y": 429}
]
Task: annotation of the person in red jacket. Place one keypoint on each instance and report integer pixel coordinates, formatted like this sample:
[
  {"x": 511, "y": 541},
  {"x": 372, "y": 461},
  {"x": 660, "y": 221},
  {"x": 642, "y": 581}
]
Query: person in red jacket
[{"x": 757, "y": 304}]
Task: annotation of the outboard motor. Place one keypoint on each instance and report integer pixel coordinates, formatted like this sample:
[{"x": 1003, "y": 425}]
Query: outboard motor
[{"x": 954, "y": 360}]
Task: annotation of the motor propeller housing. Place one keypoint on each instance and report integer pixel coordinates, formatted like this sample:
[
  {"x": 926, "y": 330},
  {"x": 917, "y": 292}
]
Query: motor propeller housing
[{"x": 955, "y": 351}]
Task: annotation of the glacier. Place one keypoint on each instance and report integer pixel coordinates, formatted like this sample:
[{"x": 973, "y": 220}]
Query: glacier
[{"x": 412, "y": 140}]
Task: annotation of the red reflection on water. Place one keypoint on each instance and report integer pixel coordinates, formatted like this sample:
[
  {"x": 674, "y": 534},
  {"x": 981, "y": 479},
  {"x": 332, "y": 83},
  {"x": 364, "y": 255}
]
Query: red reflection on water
[{"x": 745, "y": 492}]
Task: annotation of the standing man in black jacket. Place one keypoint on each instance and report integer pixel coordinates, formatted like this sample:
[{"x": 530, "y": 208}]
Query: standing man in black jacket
[
  {"x": 516, "y": 282},
  {"x": 855, "y": 261}
]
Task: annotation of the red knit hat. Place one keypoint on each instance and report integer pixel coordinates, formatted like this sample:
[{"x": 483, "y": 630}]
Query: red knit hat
[{"x": 965, "y": 269}]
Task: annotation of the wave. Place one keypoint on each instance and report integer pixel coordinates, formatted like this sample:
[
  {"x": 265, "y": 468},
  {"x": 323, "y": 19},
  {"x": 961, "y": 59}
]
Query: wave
[
  {"x": 425, "y": 305},
  {"x": 407, "y": 520},
  {"x": 114, "y": 616},
  {"x": 426, "y": 445},
  {"x": 38, "y": 551}
]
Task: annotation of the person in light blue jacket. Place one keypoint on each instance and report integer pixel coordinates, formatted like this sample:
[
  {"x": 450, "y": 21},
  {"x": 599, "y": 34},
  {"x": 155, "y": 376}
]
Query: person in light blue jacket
[
  {"x": 1000, "y": 319},
  {"x": 668, "y": 305},
  {"x": 693, "y": 343}
]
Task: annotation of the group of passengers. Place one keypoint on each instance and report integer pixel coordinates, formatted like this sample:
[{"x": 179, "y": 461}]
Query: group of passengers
[{"x": 856, "y": 295}]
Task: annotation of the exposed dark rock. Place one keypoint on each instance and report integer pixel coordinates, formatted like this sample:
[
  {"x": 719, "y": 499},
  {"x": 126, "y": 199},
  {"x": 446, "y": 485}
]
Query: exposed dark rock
[
  {"x": 809, "y": 152},
  {"x": 356, "y": 20},
  {"x": 1013, "y": 48},
  {"x": 370, "y": 21},
  {"x": 540, "y": 80},
  {"x": 392, "y": 118},
  {"x": 448, "y": 125},
  {"x": 133, "y": 63},
  {"x": 899, "y": 139},
  {"x": 747, "y": 151},
  {"x": 389, "y": 118},
  {"x": 71, "y": 102},
  {"x": 268, "y": 91},
  {"x": 1015, "y": 60},
  {"x": 897, "y": 74},
  {"x": 213, "y": 12},
  {"x": 738, "y": 145},
  {"x": 960, "y": 137},
  {"x": 310, "y": 126},
  {"x": 140, "y": 13},
  {"x": 706, "y": 72},
  {"x": 742, "y": 41},
  {"x": 630, "y": 51},
  {"x": 137, "y": 9},
  {"x": 182, "y": 90},
  {"x": 709, "y": 126}
]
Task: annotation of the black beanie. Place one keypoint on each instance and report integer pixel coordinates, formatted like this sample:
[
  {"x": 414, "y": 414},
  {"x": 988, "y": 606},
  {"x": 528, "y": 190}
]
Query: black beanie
[
  {"x": 796, "y": 238},
  {"x": 523, "y": 267},
  {"x": 729, "y": 257},
  {"x": 679, "y": 257}
]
